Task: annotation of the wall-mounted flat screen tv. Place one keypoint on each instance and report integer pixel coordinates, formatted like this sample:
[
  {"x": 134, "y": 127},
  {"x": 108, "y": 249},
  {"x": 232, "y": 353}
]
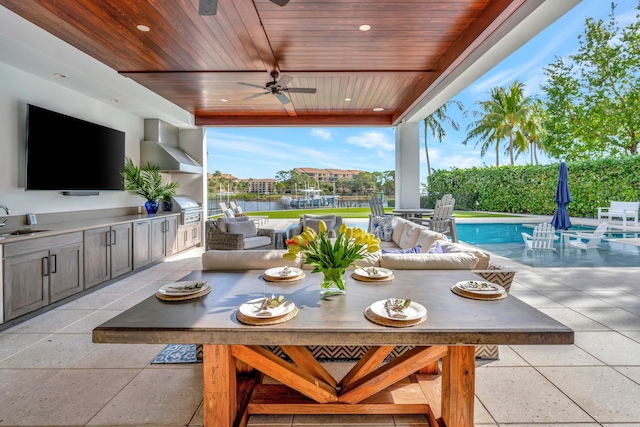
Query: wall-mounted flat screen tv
[{"x": 66, "y": 153}]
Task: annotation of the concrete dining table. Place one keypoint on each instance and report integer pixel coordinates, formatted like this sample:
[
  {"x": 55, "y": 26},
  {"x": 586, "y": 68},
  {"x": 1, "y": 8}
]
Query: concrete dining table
[{"x": 439, "y": 365}]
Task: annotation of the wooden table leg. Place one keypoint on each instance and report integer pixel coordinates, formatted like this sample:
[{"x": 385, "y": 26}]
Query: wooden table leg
[
  {"x": 220, "y": 389},
  {"x": 458, "y": 386}
]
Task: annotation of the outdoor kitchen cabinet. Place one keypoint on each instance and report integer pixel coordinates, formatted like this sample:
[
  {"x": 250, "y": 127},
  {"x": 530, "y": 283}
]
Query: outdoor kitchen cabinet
[
  {"x": 107, "y": 253},
  {"x": 142, "y": 236},
  {"x": 189, "y": 236},
  {"x": 38, "y": 272},
  {"x": 163, "y": 237}
]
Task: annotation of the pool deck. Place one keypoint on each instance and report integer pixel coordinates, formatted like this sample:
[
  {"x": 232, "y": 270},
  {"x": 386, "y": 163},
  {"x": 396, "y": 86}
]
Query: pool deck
[{"x": 53, "y": 375}]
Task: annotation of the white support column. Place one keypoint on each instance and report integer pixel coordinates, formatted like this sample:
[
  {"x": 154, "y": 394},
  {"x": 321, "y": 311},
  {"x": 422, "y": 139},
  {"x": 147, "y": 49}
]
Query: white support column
[{"x": 408, "y": 165}]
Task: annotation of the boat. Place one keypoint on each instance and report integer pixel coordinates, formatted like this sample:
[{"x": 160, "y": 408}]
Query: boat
[{"x": 311, "y": 197}]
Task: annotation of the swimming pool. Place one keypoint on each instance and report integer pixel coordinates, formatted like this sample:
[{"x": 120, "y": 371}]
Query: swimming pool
[{"x": 505, "y": 239}]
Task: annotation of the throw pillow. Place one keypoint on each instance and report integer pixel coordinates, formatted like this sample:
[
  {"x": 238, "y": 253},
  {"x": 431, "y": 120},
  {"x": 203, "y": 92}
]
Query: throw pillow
[
  {"x": 238, "y": 209},
  {"x": 414, "y": 250},
  {"x": 409, "y": 237},
  {"x": 436, "y": 249},
  {"x": 382, "y": 227},
  {"x": 229, "y": 213},
  {"x": 313, "y": 224},
  {"x": 246, "y": 228},
  {"x": 428, "y": 238}
]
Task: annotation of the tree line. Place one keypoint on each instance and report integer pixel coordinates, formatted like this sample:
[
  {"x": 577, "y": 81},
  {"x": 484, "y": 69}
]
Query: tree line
[{"x": 590, "y": 107}]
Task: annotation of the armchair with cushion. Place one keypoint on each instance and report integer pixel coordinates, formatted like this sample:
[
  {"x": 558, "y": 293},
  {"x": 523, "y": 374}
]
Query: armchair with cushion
[
  {"x": 333, "y": 223},
  {"x": 237, "y": 234}
]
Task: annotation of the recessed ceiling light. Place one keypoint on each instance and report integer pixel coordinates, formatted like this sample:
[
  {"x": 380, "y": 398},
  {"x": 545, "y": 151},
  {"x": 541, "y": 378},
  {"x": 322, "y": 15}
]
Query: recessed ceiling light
[
  {"x": 62, "y": 76},
  {"x": 364, "y": 27},
  {"x": 143, "y": 28},
  {"x": 224, "y": 100},
  {"x": 347, "y": 99},
  {"x": 378, "y": 109}
]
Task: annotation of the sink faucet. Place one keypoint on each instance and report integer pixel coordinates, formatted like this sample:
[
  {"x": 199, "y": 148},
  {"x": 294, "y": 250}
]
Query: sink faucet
[{"x": 6, "y": 209}]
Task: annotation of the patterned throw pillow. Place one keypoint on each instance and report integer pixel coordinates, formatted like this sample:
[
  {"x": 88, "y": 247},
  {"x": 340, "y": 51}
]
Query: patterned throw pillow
[
  {"x": 382, "y": 227},
  {"x": 229, "y": 213},
  {"x": 414, "y": 250}
]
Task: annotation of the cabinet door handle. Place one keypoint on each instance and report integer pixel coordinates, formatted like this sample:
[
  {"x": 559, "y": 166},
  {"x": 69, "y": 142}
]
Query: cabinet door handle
[
  {"x": 166, "y": 226},
  {"x": 113, "y": 241},
  {"x": 185, "y": 236},
  {"x": 108, "y": 237},
  {"x": 54, "y": 264},
  {"x": 45, "y": 266}
]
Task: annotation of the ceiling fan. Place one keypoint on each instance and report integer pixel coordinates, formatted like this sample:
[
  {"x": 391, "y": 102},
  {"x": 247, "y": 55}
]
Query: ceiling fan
[
  {"x": 277, "y": 88},
  {"x": 210, "y": 7}
]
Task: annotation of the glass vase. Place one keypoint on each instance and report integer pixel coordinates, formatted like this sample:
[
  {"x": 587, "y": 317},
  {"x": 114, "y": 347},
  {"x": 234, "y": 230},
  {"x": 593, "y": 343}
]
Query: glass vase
[
  {"x": 151, "y": 206},
  {"x": 333, "y": 282}
]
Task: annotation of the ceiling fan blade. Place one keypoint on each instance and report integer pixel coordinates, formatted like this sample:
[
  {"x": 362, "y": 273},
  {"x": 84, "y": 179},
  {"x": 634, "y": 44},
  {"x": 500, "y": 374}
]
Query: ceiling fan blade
[
  {"x": 208, "y": 7},
  {"x": 255, "y": 96},
  {"x": 252, "y": 85},
  {"x": 300, "y": 90},
  {"x": 282, "y": 97},
  {"x": 280, "y": 2},
  {"x": 284, "y": 80}
]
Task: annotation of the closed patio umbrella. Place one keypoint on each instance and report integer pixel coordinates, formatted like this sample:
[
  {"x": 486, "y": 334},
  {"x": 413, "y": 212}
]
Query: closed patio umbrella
[{"x": 560, "y": 219}]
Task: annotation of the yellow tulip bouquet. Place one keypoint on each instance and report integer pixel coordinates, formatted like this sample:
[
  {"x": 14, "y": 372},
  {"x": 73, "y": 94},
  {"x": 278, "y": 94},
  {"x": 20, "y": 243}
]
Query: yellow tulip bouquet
[{"x": 332, "y": 258}]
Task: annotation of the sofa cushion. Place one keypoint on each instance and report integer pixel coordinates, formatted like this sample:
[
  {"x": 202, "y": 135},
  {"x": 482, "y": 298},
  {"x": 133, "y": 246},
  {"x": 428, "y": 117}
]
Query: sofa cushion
[
  {"x": 382, "y": 227},
  {"x": 259, "y": 259},
  {"x": 427, "y": 238},
  {"x": 455, "y": 248},
  {"x": 414, "y": 250},
  {"x": 256, "y": 242},
  {"x": 222, "y": 223},
  {"x": 452, "y": 261},
  {"x": 246, "y": 228},
  {"x": 410, "y": 235},
  {"x": 398, "y": 228}
]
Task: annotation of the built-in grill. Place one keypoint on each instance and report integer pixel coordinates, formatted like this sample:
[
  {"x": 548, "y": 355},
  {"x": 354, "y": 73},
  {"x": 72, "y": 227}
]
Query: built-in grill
[{"x": 190, "y": 210}]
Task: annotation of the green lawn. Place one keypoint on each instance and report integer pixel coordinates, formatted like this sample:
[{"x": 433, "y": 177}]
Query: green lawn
[{"x": 361, "y": 212}]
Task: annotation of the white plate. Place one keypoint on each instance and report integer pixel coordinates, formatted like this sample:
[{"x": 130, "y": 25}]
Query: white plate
[
  {"x": 480, "y": 287},
  {"x": 382, "y": 272},
  {"x": 252, "y": 308},
  {"x": 182, "y": 288},
  {"x": 277, "y": 272},
  {"x": 414, "y": 311}
]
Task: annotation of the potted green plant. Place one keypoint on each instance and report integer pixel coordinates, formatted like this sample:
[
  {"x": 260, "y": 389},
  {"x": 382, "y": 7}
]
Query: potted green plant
[{"x": 146, "y": 181}]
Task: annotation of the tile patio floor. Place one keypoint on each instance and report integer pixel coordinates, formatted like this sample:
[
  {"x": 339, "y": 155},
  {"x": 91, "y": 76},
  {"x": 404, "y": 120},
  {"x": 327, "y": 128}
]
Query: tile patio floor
[{"x": 51, "y": 374}]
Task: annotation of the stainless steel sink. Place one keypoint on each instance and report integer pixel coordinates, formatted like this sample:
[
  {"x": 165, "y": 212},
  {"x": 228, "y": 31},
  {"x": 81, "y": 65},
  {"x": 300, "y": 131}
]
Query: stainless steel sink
[{"x": 25, "y": 232}]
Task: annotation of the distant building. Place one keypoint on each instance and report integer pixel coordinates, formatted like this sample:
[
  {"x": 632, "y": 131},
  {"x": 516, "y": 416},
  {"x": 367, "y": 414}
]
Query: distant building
[
  {"x": 264, "y": 185},
  {"x": 328, "y": 175}
]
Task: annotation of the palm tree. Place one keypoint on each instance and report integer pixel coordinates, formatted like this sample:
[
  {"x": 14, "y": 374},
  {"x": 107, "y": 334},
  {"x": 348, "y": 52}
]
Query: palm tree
[
  {"x": 433, "y": 123},
  {"x": 503, "y": 117},
  {"x": 534, "y": 131}
]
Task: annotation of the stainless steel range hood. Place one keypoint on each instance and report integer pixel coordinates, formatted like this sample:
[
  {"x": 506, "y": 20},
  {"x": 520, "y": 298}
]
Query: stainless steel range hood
[
  {"x": 169, "y": 159},
  {"x": 161, "y": 147}
]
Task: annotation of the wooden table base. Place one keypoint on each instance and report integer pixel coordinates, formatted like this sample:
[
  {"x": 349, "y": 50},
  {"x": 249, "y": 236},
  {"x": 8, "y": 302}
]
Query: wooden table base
[{"x": 400, "y": 386}]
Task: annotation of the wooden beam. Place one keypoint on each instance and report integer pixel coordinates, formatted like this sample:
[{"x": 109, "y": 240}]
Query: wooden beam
[
  {"x": 219, "y": 376},
  {"x": 458, "y": 386},
  {"x": 368, "y": 363},
  {"x": 302, "y": 357}
]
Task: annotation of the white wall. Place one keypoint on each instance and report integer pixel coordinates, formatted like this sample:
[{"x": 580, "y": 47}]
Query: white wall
[{"x": 17, "y": 89}]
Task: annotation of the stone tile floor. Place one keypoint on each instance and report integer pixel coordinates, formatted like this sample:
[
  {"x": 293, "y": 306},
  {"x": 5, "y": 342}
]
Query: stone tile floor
[{"x": 51, "y": 374}]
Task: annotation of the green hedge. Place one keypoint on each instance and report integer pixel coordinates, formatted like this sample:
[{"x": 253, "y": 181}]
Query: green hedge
[{"x": 530, "y": 189}]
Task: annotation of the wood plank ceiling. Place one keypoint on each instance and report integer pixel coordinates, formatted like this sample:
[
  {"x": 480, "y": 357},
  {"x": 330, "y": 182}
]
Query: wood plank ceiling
[{"x": 197, "y": 61}]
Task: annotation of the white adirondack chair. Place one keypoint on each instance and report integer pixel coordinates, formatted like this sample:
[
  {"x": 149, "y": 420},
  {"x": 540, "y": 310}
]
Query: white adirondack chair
[
  {"x": 593, "y": 239},
  {"x": 544, "y": 235},
  {"x": 442, "y": 219},
  {"x": 377, "y": 208}
]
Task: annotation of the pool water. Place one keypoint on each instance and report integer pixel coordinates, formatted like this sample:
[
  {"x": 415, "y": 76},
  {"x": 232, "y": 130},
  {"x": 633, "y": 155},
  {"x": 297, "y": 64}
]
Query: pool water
[
  {"x": 505, "y": 239},
  {"x": 478, "y": 234}
]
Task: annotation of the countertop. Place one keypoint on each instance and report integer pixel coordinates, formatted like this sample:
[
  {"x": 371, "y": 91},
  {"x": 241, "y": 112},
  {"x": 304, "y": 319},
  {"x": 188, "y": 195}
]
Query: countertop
[{"x": 44, "y": 230}]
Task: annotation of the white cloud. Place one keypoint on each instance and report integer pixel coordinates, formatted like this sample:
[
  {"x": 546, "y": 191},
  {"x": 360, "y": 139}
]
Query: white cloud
[
  {"x": 322, "y": 134},
  {"x": 372, "y": 140}
]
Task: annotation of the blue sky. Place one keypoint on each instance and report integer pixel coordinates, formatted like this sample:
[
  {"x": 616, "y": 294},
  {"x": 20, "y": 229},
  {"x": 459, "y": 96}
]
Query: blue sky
[{"x": 262, "y": 152}]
